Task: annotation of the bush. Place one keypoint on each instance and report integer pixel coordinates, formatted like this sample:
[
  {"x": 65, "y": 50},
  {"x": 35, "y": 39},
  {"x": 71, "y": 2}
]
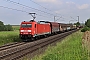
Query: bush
[
  {"x": 2, "y": 27},
  {"x": 5, "y": 27},
  {"x": 87, "y": 23},
  {"x": 85, "y": 29},
  {"x": 8, "y": 28}
]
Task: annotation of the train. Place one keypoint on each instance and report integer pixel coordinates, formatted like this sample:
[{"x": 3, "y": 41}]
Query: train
[{"x": 32, "y": 30}]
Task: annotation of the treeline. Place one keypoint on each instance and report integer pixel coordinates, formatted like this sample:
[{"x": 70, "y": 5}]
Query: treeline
[
  {"x": 5, "y": 27},
  {"x": 87, "y": 23},
  {"x": 87, "y": 26}
]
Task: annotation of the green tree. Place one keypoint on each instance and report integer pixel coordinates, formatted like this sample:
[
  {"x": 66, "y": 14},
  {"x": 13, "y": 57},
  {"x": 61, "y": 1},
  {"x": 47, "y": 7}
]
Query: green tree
[
  {"x": 1, "y": 26},
  {"x": 77, "y": 24},
  {"x": 5, "y": 27},
  {"x": 1, "y": 23},
  {"x": 8, "y": 27},
  {"x": 85, "y": 29},
  {"x": 87, "y": 23}
]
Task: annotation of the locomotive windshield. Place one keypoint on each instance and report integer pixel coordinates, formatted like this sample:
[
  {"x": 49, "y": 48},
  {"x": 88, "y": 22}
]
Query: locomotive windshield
[{"x": 26, "y": 25}]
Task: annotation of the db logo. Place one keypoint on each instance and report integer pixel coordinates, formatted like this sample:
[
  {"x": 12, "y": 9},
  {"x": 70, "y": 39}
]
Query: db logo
[{"x": 25, "y": 30}]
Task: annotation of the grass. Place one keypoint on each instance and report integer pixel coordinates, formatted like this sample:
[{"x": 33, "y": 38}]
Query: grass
[
  {"x": 9, "y": 36},
  {"x": 69, "y": 49},
  {"x": 16, "y": 27}
]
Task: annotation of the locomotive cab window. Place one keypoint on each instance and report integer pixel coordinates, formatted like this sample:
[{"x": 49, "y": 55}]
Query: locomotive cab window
[{"x": 26, "y": 25}]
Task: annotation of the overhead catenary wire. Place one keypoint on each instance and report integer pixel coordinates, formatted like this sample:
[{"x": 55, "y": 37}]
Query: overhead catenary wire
[
  {"x": 43, "y": 7},
  {"x": 25, "y": 6},
  {"x": 40, "y": 5},
  {"x": 28, "y": 7},
  {"x": 22, "y": 11},
  {"x": 32, "y": 7},
  {"x": 13, "y": 9},
  {"x": 73, "y": 18}
]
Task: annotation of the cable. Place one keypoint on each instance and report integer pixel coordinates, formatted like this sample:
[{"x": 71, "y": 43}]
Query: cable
[
  {"x": 46, "y": 8},
  {"x": 22, "y": 11},
  {"x": 29, "y": 7},
  {"x": 13, "y": 9},
  {"x": 41, "y": 5},
  {"x": 73, "y": 18}
]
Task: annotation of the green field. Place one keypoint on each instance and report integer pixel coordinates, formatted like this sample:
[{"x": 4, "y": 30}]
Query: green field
[
  {"x": 68, "y": 49},
  {"x": 9, "y": 36},
  {"x": 16, "y": 27}
]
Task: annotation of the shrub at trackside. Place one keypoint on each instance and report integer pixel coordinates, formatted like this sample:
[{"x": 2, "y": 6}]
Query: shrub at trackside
[
  {"x": 85, "y": 29},
  {"x": 87, "y": 26}
]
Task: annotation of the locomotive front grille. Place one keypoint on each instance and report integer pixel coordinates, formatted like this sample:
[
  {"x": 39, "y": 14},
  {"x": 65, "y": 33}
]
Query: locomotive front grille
[{"x": 25, "y": 36}]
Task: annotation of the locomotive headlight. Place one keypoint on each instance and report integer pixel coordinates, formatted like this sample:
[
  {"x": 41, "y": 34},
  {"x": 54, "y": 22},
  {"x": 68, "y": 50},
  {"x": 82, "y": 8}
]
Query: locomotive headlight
[
  {"x": 29, "y": 30},
  {"x": 22, "y": 30}
]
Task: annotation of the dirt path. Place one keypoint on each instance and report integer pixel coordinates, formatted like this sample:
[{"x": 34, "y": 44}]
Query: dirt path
[{"x": 86, "y": 40}]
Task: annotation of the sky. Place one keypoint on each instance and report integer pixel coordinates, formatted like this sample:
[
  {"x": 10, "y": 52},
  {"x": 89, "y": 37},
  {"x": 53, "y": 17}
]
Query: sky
[{"x": 65, "y": 11}]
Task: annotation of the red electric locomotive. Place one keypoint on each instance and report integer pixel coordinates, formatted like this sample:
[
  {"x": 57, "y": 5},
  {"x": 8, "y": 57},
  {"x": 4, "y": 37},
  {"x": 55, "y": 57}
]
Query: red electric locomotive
[{"x": 33, "y": 29}]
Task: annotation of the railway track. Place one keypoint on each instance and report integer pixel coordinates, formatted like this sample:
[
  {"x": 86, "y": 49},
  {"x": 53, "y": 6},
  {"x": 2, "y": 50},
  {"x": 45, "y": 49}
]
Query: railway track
[
  {"x": 14, "y": 52},
  {"x": 8, "y": 44},
  {"x": 11, "y": 45}
]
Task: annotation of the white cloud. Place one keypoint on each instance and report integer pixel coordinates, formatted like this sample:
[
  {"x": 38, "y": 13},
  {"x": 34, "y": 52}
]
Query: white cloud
[
  {"x": 84, "y": 6},
  {"x": 70, "y": 3},
  {"x": 51, "y": 1},
  {"x": 57, "y": 12}
]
